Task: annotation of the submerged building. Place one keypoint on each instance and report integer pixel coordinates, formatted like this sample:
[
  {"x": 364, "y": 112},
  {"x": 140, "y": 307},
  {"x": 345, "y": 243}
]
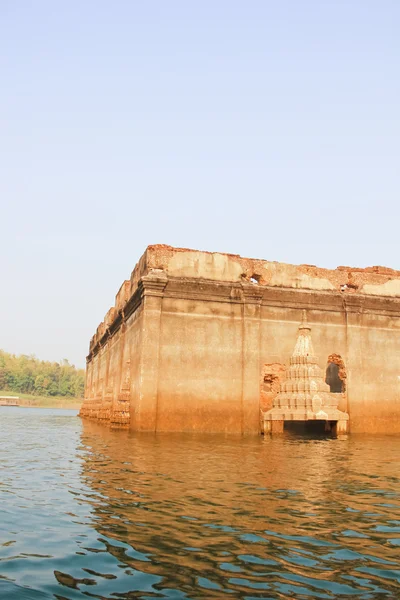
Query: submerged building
[{"x": 199, "y": 341}]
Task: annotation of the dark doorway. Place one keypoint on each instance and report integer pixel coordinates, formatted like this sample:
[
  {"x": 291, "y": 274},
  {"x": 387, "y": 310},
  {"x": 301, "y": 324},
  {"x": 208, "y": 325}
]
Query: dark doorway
[
  {"x": 332, "y": 378},
  {"x": 298, "y": 427},
  {"x": 308, "y": 428}
]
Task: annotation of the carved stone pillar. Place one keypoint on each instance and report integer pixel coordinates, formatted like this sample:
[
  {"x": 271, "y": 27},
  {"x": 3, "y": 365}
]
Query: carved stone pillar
[
  {"x": 252, "y": 297},
  {"x": 107, "y": 397},
  {"x": 354, "y": 307},
  {"x": 144, "y": 411},
  {"x": 97, "y": 398}
]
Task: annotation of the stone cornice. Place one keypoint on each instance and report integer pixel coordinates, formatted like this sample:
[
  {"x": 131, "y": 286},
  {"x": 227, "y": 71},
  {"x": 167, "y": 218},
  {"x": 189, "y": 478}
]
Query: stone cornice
[
  {"x": 153, "y": 284},
  {"x": 157, "y": 284},
  {"x": 195, "y": 289},
  {"x": 251, "y": 293},
  {"x": 132, "y": 305}
]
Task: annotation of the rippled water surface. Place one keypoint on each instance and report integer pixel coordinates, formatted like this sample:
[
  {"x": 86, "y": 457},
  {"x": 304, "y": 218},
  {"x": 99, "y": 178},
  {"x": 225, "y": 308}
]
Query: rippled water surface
[{"x": 86, "y": 512}]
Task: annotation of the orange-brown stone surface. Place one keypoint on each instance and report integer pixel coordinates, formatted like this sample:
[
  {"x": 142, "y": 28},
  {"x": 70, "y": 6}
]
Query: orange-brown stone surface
[{"x": 196, "y": 341}]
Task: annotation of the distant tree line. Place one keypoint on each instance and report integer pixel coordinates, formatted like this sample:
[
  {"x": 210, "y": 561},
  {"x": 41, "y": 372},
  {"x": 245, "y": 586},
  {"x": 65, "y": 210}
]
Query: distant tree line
[{"x": 28, "y": 375}]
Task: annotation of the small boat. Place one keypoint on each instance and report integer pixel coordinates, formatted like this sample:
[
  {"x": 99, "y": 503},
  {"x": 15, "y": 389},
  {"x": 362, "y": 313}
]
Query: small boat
[{"x": 9, "y": 401}]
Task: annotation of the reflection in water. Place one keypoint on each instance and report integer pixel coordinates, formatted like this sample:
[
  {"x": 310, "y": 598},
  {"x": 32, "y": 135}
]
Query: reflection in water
[
  {"x": 123, "y": 515},
  {"x": 214, "y": 515}
]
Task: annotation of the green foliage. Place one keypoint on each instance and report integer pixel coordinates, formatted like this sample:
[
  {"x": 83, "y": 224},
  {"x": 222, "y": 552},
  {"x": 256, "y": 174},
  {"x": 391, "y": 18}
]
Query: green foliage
[{"x": 28, "y": 375}]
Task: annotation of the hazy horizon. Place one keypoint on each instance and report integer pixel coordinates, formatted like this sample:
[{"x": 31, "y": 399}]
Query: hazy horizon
[{"x": 269, "y": 130}]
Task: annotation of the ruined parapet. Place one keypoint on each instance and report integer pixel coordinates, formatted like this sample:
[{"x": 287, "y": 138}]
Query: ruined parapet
[
  {"x": 304, "y": 395},
  {"x": 219, "y": 266}
]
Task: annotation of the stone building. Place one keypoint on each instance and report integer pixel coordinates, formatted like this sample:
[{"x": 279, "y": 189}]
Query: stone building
[{"x": 200, "y": 341}]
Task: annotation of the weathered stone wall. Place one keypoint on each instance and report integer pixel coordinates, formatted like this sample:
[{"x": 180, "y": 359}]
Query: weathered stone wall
[
  {"x": 186, "y": 345},
  {"x": 200, "y": 369}
]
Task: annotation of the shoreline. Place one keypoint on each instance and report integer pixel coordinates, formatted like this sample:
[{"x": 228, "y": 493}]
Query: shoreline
[
  {"x": 31, "y": 401},
  {"x": 59, "y": 406}
]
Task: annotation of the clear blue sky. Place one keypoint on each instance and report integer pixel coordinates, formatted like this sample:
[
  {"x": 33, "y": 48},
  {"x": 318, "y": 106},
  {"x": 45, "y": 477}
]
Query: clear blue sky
[{"x": 265, "y": 128}]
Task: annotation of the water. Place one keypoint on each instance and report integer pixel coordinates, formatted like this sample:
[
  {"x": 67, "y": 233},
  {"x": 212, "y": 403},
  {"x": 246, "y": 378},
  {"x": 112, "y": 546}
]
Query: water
[{"x": 89, "y": 513}]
